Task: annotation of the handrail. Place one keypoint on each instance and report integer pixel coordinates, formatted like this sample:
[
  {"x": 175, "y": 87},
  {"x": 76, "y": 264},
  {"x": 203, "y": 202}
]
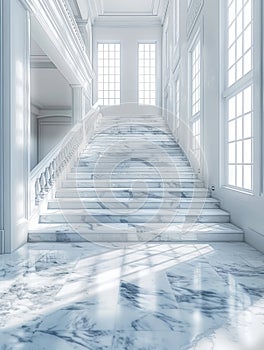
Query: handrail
[{"x": 50, "y": 169}]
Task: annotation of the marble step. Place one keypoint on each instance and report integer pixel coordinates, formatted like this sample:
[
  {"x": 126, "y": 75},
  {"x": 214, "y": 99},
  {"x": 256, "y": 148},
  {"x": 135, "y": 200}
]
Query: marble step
[
  {"x": 173, "y": 170},
  {"x": 142, "y": 146},
  {"x": 123, "y": 163},
  {"x": 205, "y": 232},
  {"x": 131, "y": 176},
  {"x": 135, "y": 193},
  {"x": 109, "y": 203},
  {"x": 133, "y": 129},
  {"x": 139, "y": 183},
  {"x": 107, "y": 216},
  {"x": 132, "y": 156},
  {"x": 158, "y": 139},
  {"x": 165, "y": 158}
]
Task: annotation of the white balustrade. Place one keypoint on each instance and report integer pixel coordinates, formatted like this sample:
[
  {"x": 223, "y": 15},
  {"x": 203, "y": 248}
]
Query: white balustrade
[{"x": 50, "y": 170}]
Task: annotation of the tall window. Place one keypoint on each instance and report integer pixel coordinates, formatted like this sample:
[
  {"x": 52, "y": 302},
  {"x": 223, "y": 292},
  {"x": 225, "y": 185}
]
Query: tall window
[
  {"x": 147, "y": 73},
  {"x": 108, "y": 74},
  {"x": 177, "y": 105},
  {"x": 196, "y": 96},
  {"x": 238, "y": 93}
]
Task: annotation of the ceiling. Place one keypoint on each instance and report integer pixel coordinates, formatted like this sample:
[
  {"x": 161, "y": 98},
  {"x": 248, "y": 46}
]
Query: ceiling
[
  {"x": 128, "y": 7},
  {"x": 121, "y": 11}
]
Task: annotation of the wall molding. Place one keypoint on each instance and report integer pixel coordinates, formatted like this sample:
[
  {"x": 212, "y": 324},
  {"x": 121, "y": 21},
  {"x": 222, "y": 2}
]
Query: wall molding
[
  {"x": 2, "y": 242},
  {"x": 41, "y": 61},
  {"x": 193, "y": 14}
]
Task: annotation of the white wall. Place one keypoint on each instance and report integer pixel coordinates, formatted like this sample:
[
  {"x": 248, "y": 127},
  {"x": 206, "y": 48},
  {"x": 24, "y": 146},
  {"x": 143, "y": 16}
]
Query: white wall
[
  {"x": 33, "y": 141},
  {"x": 51, "y": 131},
  {"x": 246, "y": 210},
  {"x": 50, "y": 89},
  {"x": 128, "y": 38}
]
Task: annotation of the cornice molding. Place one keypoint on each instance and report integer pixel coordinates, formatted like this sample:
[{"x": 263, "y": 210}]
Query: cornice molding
[
  {"x": 58, "y": 22},
  {"x": 95, "y": 8}
]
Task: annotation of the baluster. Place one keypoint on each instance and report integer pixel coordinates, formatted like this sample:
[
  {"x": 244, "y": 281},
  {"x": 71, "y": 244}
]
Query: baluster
[
  {"x": 37, "y": 192},
  {"x": 47, "y": 179},
  {"x": 42, "y": 183},
  {"x": 51, "y": 170},
  {"x": 54, "y": 166}
]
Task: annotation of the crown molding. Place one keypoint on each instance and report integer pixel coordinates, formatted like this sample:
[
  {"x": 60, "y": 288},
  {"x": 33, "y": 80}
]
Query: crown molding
[
  {"x": 96, "y": 9},
  {"x": 75, "y": 8}
]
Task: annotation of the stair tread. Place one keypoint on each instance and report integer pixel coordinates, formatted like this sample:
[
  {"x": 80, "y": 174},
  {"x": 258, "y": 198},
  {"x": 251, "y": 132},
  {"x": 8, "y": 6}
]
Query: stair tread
[
  {"x": 143, "y": 212},
  {"x": 213, "y": 228},
  {"x": 134, "y": 189},
  {"x": 128, "y": 200}
]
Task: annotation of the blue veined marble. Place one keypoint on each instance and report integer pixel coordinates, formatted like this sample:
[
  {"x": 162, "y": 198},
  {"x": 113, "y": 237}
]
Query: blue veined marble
[{"x": 144, "y": 296}]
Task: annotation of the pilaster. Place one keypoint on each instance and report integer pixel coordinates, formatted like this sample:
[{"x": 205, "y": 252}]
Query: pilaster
[
  {"x": 78, "y": 103},
  {"x": 15, "y": 119}
]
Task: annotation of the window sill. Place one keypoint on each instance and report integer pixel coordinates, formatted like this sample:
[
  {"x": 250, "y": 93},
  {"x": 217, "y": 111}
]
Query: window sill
[{"x": 230, "y": 188}]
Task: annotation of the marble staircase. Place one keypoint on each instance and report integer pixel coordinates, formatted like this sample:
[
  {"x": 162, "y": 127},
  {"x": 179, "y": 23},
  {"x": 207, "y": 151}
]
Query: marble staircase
[{"x": 133, "y": 183}]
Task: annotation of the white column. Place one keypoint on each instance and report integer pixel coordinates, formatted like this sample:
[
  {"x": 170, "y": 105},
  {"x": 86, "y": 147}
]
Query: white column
[
  {"x": 15, "y": 121},
  {"x": 78, "y": 103}
]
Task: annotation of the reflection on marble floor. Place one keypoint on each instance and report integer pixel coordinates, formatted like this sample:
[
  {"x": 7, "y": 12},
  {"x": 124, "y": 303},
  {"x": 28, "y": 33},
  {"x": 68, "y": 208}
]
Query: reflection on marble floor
[{"x": 139, "y": 297}]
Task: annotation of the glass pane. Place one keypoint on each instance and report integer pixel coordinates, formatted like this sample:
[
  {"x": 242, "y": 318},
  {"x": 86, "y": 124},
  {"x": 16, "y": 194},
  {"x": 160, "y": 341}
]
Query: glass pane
[
  {"x": 239, "y": 177},
  {"x": 232, "y": 175},
  {"x": 239, "y": 158},
  {"x": 247, "y": 151},
  {"x": 248, "y": 177},
  {"x": 232, "y": 108},
  {"x": 247, "y": 126},
  {"x": 232, "y": 131},
  {"x": 232, "y": 153}
]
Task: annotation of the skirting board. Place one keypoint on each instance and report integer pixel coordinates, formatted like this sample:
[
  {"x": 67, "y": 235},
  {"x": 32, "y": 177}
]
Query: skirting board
[
  {"x": 1, "y": 241},
  {"x": 255, "y": 239}
]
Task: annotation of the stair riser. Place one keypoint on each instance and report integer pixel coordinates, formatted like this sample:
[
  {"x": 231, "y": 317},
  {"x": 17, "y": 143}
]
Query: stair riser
[
  {"x": 130, "y": 177},
  {"x": 132, "y": 205},
  {"x": 153, "y": 148},
  {"x": 127, "y": 238},
  {"x": 155, "y": 170},
  {"x": 133, "y": 219},
  {"x": 130, "y": 154},
  {"x": 130, "y": 159},
  {"x": 120, "y": 164},
  {"x": 139, "y": 184},
  {"x": 120, "y": 194}
]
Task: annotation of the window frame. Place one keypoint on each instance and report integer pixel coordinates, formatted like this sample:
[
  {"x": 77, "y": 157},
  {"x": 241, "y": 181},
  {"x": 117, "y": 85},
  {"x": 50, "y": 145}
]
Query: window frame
[
  {"x": 254, "y": 77},
  {"x": 156, "y": 71},
  {"x": 196, "y": 37},
  {"x": 120, "y": 70}
]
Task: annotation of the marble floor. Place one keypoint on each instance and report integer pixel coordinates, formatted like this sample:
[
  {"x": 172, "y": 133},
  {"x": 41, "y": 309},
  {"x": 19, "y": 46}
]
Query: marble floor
[{"x": 138, "y": 297}]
